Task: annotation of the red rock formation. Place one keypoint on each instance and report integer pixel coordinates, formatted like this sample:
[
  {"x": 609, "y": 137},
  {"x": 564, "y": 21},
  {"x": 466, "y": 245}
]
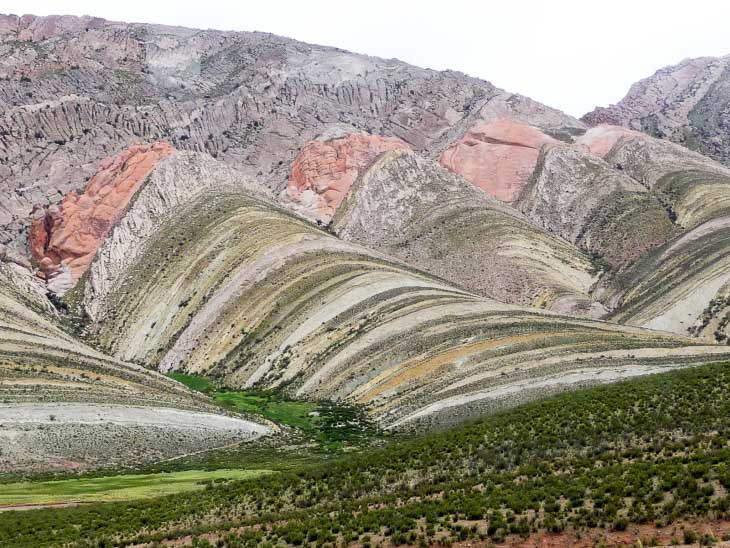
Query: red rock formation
[
  {"x": 601, "y": 139},
  {"x": 324, "y": 171},
  {"x": 65, "y": 238},
  {"x": 498, "y": 157}
]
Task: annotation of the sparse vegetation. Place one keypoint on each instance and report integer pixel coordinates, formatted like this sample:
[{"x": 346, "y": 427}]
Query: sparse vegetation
[{"x": 650, "y": 451}]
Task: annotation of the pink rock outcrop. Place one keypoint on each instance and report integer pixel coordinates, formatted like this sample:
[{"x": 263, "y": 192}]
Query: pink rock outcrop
[
  {"x": 601, "y": 139},
  {"x": 324, "y": 171},
  {"x": 497, "y": 157},
  {"x": 63, "y": 239}
]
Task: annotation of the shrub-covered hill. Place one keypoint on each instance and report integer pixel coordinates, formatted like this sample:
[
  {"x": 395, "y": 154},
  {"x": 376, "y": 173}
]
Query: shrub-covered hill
[{"x": 650, "y": 455}]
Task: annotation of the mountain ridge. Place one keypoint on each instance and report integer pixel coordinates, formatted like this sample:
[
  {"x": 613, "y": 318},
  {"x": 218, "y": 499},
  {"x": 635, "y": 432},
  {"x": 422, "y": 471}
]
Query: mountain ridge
[{"x": 266, "y": 96}]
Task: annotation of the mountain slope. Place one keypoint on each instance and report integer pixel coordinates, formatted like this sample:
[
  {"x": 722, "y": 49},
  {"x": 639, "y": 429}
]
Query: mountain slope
[
  {"x": 600, "y": 209},
  {"x": 67, "y": 406},
  {"x": 685, "y": 103},
  {"x": 640, "y": 462},
  {"x": 74, "y": 91},
  {"x": 679, "y": 286},
  {"x": 413, "y": 209},
  {"x": 217, "y": 279},
  {"x": 652, "y": 214},
  {"x": 171, "y": 151}
]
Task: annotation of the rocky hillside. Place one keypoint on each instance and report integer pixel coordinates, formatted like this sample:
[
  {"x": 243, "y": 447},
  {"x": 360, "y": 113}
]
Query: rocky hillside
[
  {"x": 651, "y": 215},
  {"x": 411, "y": 208},
  {"x": 680, "y": 285},
  {"x": 686, "y": 103},
  {"x": 68, "y": 406},
  {"x": 339, "y": 227},
  {"x": 220, "y": 280},
  {"x": 75, "y": 91}
]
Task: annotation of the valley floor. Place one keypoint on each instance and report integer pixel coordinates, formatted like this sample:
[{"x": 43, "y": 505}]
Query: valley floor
[
  {"x": 111, "y": 488},
  {"x": 643, "y": 459}
]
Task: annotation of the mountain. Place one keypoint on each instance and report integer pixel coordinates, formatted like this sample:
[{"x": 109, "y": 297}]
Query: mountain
[
  {"x": 685, "y": 103},
  {"x": 205, "y": 274},
  {"x": 413, "y": 209},
  {"x": 279, "y": 216},
  {"x": 650, "y": 214},
  {"x": 321, "y": 298},
  {"x": 678, "y": 283},
  {"x": 75, "y": 91},
  {"x": 67, "y": 406}
]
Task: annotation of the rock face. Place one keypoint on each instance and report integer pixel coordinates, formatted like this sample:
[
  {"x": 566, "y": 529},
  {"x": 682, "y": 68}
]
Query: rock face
[
  {"x": 413, "y": 209},
  {"x": 222, "y": 282},
  {"x": 65, "y": 238},
  {"x": 35, "y": 29},
  {"x": 686, "y": 103},
  {"x": 589, "y": 203},
  {"x": 682, "y": 285},
  {"x": 121, "y": 413},
  {"x": 181, "y": 178},
  {"x": 601, "y": 139},
  {"x": 324, "y": 171},
  {"x": 498, "y": 157},
  {"x": 411, "y": 303},
  {"x": 83, "y": 90},
  {"x": 9, "y": 256}
]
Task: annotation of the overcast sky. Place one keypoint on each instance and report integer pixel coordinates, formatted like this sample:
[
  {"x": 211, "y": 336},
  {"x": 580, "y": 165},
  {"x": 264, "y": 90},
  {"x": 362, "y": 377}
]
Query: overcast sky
[{"x": 569, "y": 54}]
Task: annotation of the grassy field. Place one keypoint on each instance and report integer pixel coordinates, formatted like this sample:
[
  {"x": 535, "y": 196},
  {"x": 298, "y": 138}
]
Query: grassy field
[
  {"x": 299, "y": 414},
  {"x": 329, "y": 425},
  {"x": 316, "y": 432},
  {"x": 196, "y": 382},
  {"x": 114, "y": 488},
  {"x": 653, "y": 452}
]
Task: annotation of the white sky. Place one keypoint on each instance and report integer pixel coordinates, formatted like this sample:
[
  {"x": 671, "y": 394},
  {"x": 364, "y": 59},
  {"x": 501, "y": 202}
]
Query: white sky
[{"x": 569, "y": 54}]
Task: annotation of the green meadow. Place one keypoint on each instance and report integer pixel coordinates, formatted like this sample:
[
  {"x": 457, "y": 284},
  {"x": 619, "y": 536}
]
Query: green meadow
[{"x": 115, "y": 488}]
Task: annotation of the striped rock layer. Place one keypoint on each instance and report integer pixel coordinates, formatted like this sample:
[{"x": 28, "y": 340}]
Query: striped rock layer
[
  {"x": 230, "y": 285},
  {"x": 64, "y": 239},
  {"x": 411, "y": 208},
  {"x": 66, "y": 405}
]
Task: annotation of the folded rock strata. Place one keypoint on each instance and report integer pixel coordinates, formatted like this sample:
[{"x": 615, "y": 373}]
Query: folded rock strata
[
  {"x": 64, "y": 239},
  {"x": 324, "y": 170},
  {"x": 230, "y": 285}
]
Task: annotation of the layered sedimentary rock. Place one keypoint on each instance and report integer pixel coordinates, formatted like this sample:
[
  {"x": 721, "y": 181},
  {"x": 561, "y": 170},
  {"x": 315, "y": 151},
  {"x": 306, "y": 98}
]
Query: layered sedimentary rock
[
  {"x": 86, "y": 90},
  {"x": 64, "y": 239},
  {"x": 589, "y": 203},
  {"x": 413, "y": 209},
  {"x": 566, "y": 188},
  {"x": 191, "y": 265},
  {"x": 681, "y": 285},
  {"x": 497, "y": 157},
  {"x": 230, "y": 285},
  {"x": 685, "y": 103},
  {"x": 44, "y": 372},
  {"x": 324, "y": 170}
]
